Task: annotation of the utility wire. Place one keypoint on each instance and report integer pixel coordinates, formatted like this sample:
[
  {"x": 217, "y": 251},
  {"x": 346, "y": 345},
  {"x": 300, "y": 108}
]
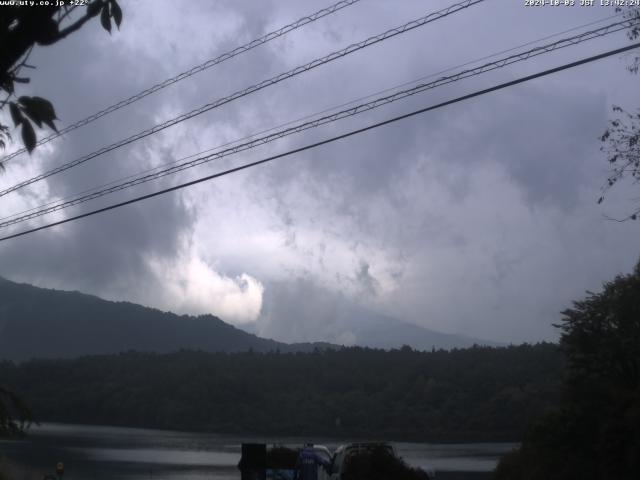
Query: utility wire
[
  {"x": 141, "y": 178},
  {"x": 254, "y": 88},
  {"x": 332, "y": 139},
  {"x": 175, "y": 168},
  {"x": 197, "y": 69},
  {"x": 350, "y": 102},
  {"x": 306, "y": 117},
  {"x": 312, "y": 115},
  {"x": 64, "y": 202}
]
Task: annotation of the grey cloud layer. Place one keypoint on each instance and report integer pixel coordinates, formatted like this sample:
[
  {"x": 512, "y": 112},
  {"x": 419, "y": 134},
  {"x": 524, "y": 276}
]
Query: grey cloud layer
[{"x": 478, "y": 219}]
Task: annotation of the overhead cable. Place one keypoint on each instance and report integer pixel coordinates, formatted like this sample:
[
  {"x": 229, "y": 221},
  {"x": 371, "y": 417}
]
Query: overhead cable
[
  {"x": 329, "y": 140},
  {"x": 192, "y": 71},
  {"x": 252, "y": 89},
  {"x": 358, "y": 109}
]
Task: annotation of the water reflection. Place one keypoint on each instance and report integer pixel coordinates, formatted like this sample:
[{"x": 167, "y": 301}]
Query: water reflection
[{"x": 133, "y": 453}]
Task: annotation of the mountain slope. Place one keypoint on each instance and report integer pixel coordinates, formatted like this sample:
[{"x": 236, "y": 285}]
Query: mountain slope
[
  {"x": 42, "y": 323},
  {"x": 333, "y": 317},
  {"x": 381, "y": 331}
]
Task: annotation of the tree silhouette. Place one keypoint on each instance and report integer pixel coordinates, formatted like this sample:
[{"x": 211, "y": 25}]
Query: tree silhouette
[
  {"x": 21, "y": 29},
  {"x": 595, "y": 434},
  {"x": 14, "y": 413},
  {"x": 621, "y": 140},
  {"x": 601, "y": 337}
]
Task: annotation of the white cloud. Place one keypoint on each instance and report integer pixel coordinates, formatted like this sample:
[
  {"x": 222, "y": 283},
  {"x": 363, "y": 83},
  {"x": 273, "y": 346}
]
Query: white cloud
[
  {"x": 191, "y": 286},
  {"x": 478, "y": 218}
]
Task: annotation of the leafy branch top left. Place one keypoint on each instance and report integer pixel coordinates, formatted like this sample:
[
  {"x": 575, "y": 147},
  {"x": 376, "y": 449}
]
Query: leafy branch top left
[{"x": 22, "y": 27}]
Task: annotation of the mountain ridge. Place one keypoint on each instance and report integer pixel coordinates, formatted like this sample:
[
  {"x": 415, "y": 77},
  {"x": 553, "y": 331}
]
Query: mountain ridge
[
  {"x": 39, "y": 322},
  {"x": 333, "y": 317}
]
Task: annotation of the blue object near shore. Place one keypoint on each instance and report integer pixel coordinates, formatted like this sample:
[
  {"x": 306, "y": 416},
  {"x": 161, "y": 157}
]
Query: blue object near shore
[{"x": 280, "y": 474}]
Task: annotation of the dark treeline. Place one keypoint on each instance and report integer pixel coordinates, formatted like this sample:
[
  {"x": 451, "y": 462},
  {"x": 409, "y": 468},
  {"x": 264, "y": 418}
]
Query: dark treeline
[
  {"x": 475, "y": 394},
  {"x": 594, "y": 432}
]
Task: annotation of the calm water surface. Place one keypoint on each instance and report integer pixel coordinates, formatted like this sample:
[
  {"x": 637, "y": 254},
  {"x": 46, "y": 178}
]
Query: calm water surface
[{"x": 96, "y": 452}]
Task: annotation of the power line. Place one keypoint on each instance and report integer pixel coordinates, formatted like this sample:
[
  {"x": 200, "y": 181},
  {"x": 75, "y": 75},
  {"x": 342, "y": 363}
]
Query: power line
[
  {"x": 95, "y": 192},
  {"x": 306, "y": 117},
  {"x": 192, "y": 71},
  {"x": 254, "y": 88},
  {"x": 332, "y": 139},
  {"x": 175, "y": 168}
]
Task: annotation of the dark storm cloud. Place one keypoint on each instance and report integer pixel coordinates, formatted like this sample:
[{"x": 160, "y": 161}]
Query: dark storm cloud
[
  {"x": 547, "y": 140},
  {"x": 285, "y": 315},
  {"x": 492, "y": 197},
  {"x": 106, "y": 254},
  {"x": 366, "y": 282}
]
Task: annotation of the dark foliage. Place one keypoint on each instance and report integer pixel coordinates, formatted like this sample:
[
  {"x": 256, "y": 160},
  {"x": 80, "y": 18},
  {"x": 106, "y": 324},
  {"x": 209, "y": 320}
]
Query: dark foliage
[
  {"x": 282, "y": 458},
  {"x": 632, "y": 14},
  {"x": 22, "y": 27},
  {"x": 595, "y": 433},
  {"x": 71, "y": 324},
  {"x": 380, "y": 464},
  {"x": 621, "y": 144},
  {"x": 621, "y": 140},
  {"x": 15, "y": 415},
  {"x": 479, "y": 393}
]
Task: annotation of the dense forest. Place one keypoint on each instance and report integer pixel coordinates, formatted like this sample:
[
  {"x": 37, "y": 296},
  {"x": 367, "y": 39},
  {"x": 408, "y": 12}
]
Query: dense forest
[
  {"x": 594, "y": 432},
  {"x": 481, "y": 393}
]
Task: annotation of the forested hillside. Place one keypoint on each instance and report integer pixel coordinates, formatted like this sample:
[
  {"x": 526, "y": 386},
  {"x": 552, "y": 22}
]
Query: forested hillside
[
  {"x": 43, "y": 323},
  {"x": 479, "y": 393},
  {"x": 594, "y": 432},
  {"x": 70, "y": 324}
]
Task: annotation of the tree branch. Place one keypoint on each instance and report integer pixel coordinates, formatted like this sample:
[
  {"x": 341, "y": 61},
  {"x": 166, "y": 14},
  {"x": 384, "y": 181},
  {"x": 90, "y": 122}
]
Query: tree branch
[
  {"x": 74, "y": 26},
  {"x": 67, "y": 12}
]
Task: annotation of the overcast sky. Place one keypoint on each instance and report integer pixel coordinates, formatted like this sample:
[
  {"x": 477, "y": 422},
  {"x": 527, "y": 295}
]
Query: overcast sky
[{"x": 478, "y": 218}]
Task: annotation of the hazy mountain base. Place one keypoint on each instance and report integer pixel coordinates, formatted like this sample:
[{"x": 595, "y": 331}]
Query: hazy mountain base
[
  {"x": 334, "y": 318},
  {"x": 477, "y": 394},
  {"x": 42, "y": 323},
  {"x": 71, "y": 324}
]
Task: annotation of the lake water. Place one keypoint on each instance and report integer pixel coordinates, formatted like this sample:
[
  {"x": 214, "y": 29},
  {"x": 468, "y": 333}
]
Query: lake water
[{"x": 97, "y": 452}]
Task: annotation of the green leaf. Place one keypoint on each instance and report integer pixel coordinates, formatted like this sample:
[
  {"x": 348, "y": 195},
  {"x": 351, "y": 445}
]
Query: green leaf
[
  {"x": 46, "y": 107},
  {"x": 105, "y": 19},
  {"x": 51, "y": 125},
  {"x": 47, "y": 32},
  {"x": 35, "y": 119},
  {"x": 7, "y": 85},
  {"x": 31, "y": 110},
  {"x": 40, "y": 110},
  {"x": 16, "y": 114},
  {"x": 93, "y": 8},
  {"x": 28, "y": 135},
  {"x": 116, "y": 13}
]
